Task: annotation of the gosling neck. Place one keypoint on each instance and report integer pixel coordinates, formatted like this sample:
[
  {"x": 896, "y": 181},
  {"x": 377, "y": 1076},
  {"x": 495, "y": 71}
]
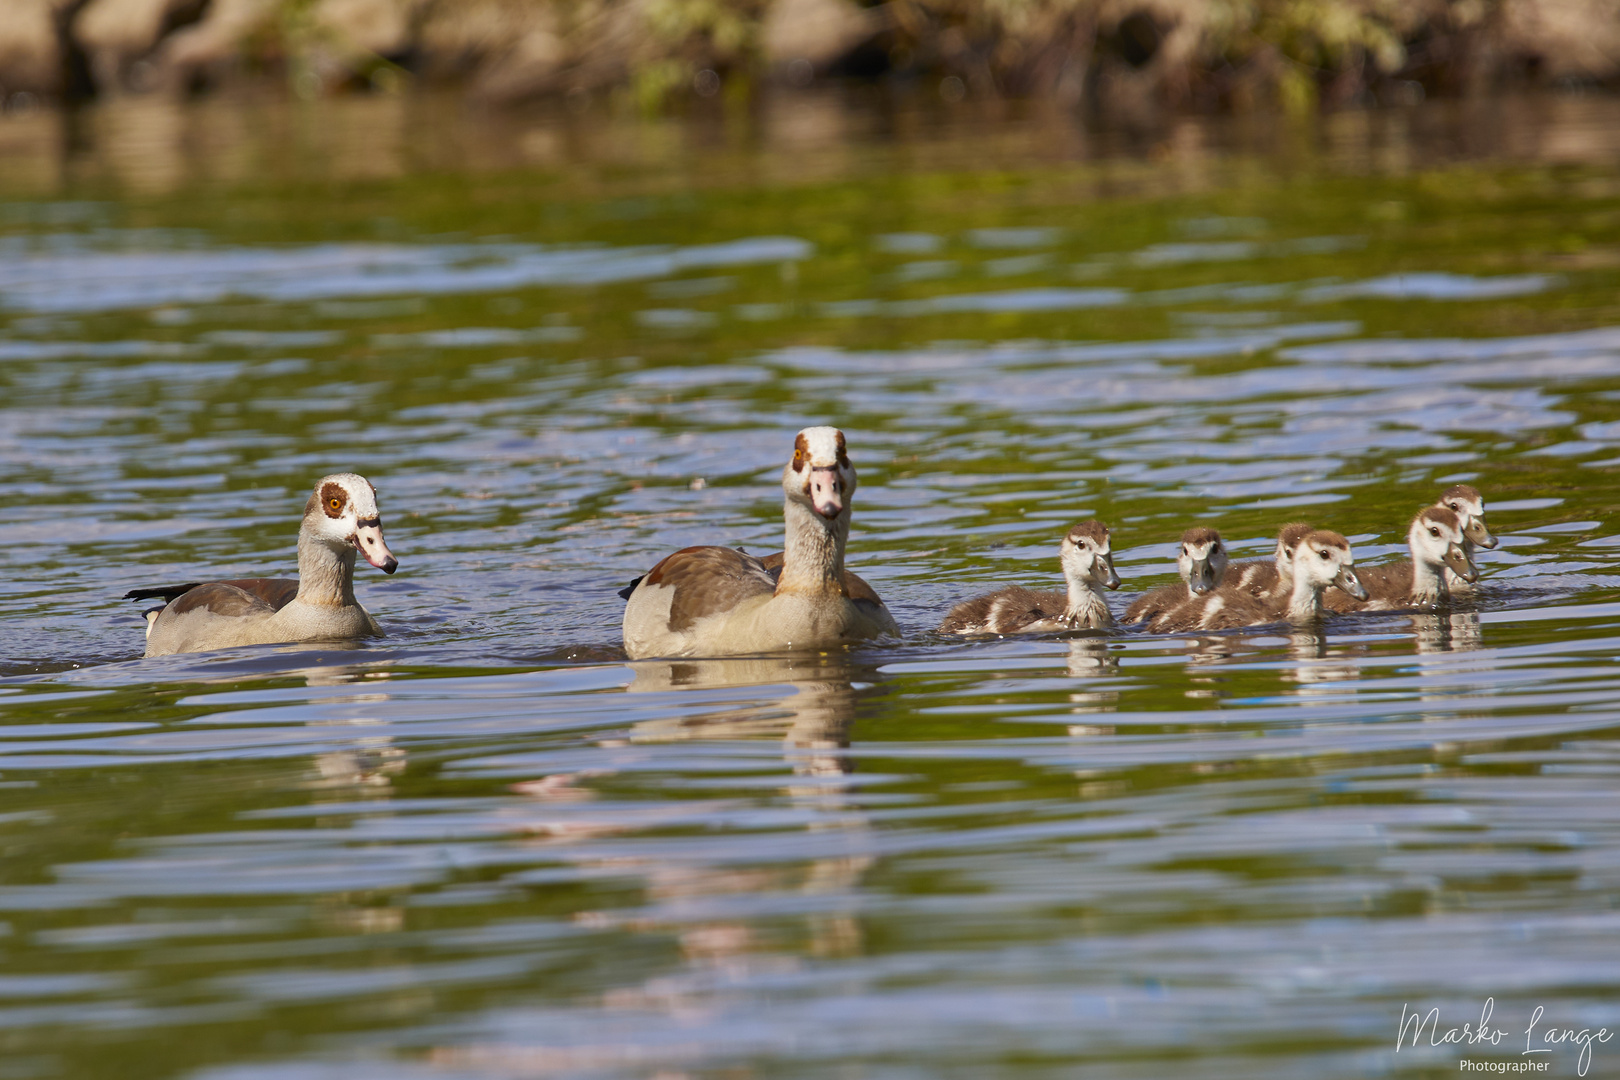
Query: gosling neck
[
  {"x": 1304, "y": 599},
  {"x": 325, "y": 572},
  {"x": 1428, "y": 579},
  {"x": 813, "y": 551},
  {"x": 1086, "y": 606}
]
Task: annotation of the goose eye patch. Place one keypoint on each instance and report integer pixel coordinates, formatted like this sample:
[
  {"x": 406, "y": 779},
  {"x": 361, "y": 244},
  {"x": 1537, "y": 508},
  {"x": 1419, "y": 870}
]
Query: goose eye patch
[{"x": 333, "y": 500}]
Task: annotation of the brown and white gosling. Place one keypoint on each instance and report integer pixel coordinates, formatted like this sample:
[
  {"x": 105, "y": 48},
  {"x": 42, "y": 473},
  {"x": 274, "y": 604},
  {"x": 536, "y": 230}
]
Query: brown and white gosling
[
  {"x": 1201, "y": 561},
  {"x": 1271, "y": 579},
  {"x": 340, "y": 521},
  {"x": 718, "y": 601},
  {"x": 1467, "y": 503},
  {"x": 1436, "y": 542},
  {"x": 1087, "y": 562},
  {"x": 1321, "y": 560}
]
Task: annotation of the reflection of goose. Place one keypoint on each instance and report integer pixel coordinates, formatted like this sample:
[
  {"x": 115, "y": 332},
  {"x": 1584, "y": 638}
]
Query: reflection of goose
[
  {"x": 1087, "y": 562},
  {"x": 1469, "y": 505},
  {"x": 718, "y": 601},
  {"x": 1275, "y": 579},
  {"x": 1435, "y": 540},
  {"x": 1089, "y": 657},
  {"x": 809, "y": 701},
  {"x": 340, "y": 519},
  {"x": 1201, "y": 563},
  {"x": 814, "y": 711},
  {"x": 1321, "y": 560},
  {"x": 1456, "y": 631},
  {"x": 1316, "y": 667}
]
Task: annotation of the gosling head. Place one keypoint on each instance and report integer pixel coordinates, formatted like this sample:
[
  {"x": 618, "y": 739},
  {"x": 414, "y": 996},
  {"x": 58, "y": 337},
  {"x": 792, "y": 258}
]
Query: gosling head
[
  {"x": 1202, "y": 559},
  {"x": 342, "y": 512},
  {"x": 1288, "y": 539},
  {"x": 1469, "y": 506},
  {"x": 820, "y": 476},
  {"x": 1436, "y": 539},
  {"x": 1323, "y": 558},
  {"x": 1086, "y": 556}
]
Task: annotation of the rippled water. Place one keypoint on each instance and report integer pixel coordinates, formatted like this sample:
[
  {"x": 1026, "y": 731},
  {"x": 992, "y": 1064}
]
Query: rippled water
[{"x": 487, "y": 846}]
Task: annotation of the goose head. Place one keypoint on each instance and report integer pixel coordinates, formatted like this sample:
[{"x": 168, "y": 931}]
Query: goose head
[
  {"x": 342, "y": 513},
  {"x": 1288, "y": 538},
  {"x": 820, "y": 477},
  {"x": 1436, "y": 540},
  {"x": 1202, "y": 559},
  {"x": 1086, "y": 556},
  {"x": 1469, "y": 506},
  {"x": 1323, "y": 558}
]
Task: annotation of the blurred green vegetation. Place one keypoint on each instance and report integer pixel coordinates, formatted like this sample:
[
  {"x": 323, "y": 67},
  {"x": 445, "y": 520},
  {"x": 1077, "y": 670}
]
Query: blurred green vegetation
[{"x": 1116, "y": 55}]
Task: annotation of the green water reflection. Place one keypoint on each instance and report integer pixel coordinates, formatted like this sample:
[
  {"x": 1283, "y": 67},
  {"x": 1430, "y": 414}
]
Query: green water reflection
[{"x": 486, "y": 846}]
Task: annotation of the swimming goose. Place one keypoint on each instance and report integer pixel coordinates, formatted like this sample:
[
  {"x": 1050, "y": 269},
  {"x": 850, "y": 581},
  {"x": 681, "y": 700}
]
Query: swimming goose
[
  {"x": 1320, "y": 560},
  {"x": 719, "y": 601},
  {"x": 1271, "y": 579},
  {"x": 1467, "y": 503},
  {"x": 340, "y": 519},
  {"x": 1201, "y": 562},
  {"x": 1436, "y": 542},
  {"x": 1086, "y": 560}
]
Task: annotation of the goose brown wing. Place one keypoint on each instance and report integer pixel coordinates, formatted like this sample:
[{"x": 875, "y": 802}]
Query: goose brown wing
[
  {"x": 1389, "y": 582},
  {"x": 1157, "y": 602},
  {"x": 220, "y": 598},
  {"x": 277, "y": 593},
  {"x": 1256, "y": 577},
  {"x": 1004, "y": 611},
  {"x": 707, "y": 581}
]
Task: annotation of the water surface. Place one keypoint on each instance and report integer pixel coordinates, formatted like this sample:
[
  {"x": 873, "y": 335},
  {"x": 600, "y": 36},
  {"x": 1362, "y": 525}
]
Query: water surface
[{"x": 562, "y": 347}]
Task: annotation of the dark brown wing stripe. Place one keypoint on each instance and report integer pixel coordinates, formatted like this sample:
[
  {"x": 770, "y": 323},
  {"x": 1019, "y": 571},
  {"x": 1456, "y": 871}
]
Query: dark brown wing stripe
[{"x": 168, "y": 593}]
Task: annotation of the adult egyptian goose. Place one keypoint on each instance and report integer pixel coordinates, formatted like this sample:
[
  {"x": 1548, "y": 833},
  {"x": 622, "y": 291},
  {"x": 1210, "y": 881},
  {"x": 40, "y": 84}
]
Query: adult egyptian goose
[
  {"x": 1322, "y": 559},
  {"x": 719, "y": 601},
  {"x": 1087, "y": 562},
  {"x": 1467, "y": 503},
  {"x": 1436, "y": 542},
  {"x": 340, "y": 520},
  {"x": 1201, "y": 561},
  {"x": 1270, "y": 579}
]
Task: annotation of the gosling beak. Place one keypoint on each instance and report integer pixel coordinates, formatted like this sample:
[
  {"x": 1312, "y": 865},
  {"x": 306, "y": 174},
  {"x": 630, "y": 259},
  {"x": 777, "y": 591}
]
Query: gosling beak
[
  {"x": 1346, "y": 579},
  {"x": 1479, "y": 534},
  {"x": 1104, "y": 572},
  {"x": 826, "y": 492},
  {"x": 368, "y": 541},
  {"x": 1460, "y": 563},
  {"x": 1203, "y": 577}
]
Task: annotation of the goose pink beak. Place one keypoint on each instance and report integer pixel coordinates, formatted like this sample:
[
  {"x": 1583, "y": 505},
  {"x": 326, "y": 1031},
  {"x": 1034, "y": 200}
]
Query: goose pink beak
[
  {"x": 826, "y": 492},
  {"x": 368, "y": 541}
]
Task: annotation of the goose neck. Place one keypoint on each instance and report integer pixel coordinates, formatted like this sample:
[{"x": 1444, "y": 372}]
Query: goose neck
[
  {"x": 813, "y": 551},
  {"x": 325, "y": 572}
]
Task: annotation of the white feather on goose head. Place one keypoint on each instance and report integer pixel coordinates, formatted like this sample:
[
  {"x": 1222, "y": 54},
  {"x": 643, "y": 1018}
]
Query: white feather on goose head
[
  {"x": 1322, "y": 560},
  {"x": 1469, "y": 505},
  {"x": 342, "y": 513},
  {"x": 1202, "y": 559},
  {"x": 1086, "y": 556},
  {"x": 819, "y": 476},
  {"x": 1437, "y": 541}
]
